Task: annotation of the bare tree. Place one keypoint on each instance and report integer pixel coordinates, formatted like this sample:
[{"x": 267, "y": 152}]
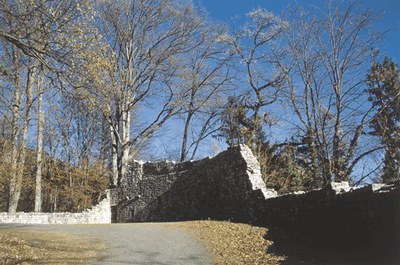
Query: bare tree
[
  {"x": 45, "y": 32},
  {"x": 16, "y": 178},
  {"x": 39, "y": 147},
  {"x": 329, "y": 56},
  {"x": 205, "y": 79},
  {"x": 18, "y": 84},
  {"x": 146, "y": 39},
  {"x": 14, "y": 104},
  {"x": 49, "y": 31},
  {"x": 256, "y": 47},
  {"x": 71, "y": 155}
]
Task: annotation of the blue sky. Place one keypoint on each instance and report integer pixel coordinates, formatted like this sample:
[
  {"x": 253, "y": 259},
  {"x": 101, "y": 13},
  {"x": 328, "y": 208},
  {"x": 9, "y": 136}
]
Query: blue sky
[
  {"x": 388, "y": 12},
  {"x": 224, "y": 10}
]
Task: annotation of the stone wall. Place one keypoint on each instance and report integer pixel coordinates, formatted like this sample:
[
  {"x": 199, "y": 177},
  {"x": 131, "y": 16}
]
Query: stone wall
[
  {"x": 229, "y": 187},
  {"x": 99, "y": 214},
  {"x": 224, "y": 187},
  {"x": 337, "y": 215}
]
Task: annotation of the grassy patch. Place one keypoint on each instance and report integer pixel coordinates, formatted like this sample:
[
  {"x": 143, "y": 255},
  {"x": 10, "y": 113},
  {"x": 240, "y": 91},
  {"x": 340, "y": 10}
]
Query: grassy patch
[
  {"x": 233, "y": 243},
  {"x": 31, "y": 247}
]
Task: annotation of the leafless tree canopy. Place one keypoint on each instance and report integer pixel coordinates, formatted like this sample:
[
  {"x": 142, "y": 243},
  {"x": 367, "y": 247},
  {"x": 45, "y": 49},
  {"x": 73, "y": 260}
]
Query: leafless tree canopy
[{"x": 85, "y": 85}]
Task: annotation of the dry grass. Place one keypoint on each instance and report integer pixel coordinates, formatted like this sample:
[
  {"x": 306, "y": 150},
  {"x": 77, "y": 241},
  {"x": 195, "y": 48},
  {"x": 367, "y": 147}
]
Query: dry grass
[
  {"x": 28, "y": 247},
  {"x": 233, "y": 243},
  {"x": 242, "y": 244}
]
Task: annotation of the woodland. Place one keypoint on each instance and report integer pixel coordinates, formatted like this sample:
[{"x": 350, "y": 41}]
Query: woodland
[{"x": 88, "y": 85}]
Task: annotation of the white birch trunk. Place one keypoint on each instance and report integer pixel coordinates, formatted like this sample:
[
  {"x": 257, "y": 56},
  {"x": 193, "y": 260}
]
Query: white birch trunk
[
  {"x": 14, "y": 198},
  {"x": 114, "y": 154},
  {"x": 126, "y": 119},
  {"x": 14, "y": 142},
  {"x": 38, "y": 187}
]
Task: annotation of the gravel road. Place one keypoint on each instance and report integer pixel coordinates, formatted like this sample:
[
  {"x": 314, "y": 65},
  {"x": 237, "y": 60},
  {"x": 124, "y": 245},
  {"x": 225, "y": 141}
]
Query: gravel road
[{"x": 138, "y": 243}]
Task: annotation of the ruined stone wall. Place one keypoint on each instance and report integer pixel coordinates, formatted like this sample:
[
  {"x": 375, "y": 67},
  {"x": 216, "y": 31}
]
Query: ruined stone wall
[
  {"x": 229, "y": 187},
  {"x": 99, "y": 214},
  {"x": 224, "y": 187},
  {"x": 337, "y": 215}
]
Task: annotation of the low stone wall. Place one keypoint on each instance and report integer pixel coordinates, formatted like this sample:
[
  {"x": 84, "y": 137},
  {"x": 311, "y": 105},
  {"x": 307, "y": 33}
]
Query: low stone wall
[
  {"x": 337, "y": 216},
  {"x": 99, "y": 214}
]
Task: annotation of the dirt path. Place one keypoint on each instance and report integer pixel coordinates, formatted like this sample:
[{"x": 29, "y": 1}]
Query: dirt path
[{"x": 141, "y": 243}]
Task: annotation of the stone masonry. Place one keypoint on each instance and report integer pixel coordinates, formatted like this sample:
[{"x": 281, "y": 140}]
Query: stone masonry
[
  {"x": 229, "y": 187},
  {"x": 337, "y": 215},
  {"x": 224, "y": 187},
  {"x": 99, "y": 214}
]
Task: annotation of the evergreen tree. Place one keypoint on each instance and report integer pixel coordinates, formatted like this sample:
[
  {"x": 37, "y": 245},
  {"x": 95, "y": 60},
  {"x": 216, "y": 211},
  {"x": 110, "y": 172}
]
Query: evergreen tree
[
  {"x": 384, "y": 90},
  {"x": 238, "y": 127},
  {"x": 279, "y": 162}
]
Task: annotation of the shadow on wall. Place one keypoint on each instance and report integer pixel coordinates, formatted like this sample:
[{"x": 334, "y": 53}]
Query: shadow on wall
[
  {"x": 217, "y": 188},
  {"x": 333, "y": 222},
  {"x": 330, "y": 226}
]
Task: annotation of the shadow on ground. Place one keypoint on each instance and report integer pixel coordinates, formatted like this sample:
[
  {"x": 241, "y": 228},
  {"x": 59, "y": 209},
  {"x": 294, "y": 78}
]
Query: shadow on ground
[
  {"x": 149, "y": 258},
  {"x": 309, "y": 251}
]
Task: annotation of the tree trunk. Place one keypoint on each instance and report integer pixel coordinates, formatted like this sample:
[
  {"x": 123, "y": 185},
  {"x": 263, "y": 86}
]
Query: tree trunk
[
  {"x": 14, "y": 141},
  {"x": 114, "y": 154},
  {"x": 38, "y": 187},
  {"x": 185, "y": 137},
  {"x": 105, "y": 144},
  {"x": 337, "y": 138},
  {"x": 187, "y": 123},
  {"x": 14, "y": 198},
  {"x": 55, "y": 200},
  {"x": 126, "y": 119}
]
